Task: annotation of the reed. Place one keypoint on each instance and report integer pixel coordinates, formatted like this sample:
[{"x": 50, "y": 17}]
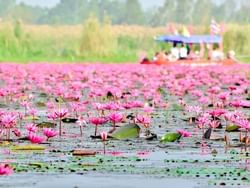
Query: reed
[{"x": 96, "y": 42}]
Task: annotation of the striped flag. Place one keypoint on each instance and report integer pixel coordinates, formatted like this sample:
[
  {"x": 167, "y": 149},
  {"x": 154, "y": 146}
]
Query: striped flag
[{"x": 215, "y": 28}]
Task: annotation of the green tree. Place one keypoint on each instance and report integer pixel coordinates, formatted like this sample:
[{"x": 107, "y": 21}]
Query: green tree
[
  {"x": 6, "y": 6},
  {"x": 164, "y": 14},
  {"x": 183, "y": 11},
  {"x": 133, "y": 13},
  {"x": 202, "y": 12}
]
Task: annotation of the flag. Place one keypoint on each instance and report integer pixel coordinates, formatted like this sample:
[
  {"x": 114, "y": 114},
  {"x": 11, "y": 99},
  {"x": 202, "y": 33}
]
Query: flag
[
  {"x": 172, "y": 29},
  {"x": 215, "y": 28},
  {"x": 185, "y": 32}
]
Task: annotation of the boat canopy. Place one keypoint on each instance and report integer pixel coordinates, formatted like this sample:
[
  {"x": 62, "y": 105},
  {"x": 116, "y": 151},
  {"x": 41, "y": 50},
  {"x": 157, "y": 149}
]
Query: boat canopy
[{"x": 193, "y": 39}]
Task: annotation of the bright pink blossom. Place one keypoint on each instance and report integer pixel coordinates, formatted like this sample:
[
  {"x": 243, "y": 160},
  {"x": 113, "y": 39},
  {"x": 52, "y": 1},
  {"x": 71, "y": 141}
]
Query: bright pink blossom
[{"x": 5, "y": 169}]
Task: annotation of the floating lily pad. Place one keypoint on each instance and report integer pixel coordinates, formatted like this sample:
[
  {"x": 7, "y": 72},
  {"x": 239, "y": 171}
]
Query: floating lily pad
[
  {"x": 31, "y": 118},
  {"x": 3, "y": 105},
  {"x": 177, "y": 107},
  {"x": 46, "y": 125},
  {"x": 232, "y": 128},
  {"x": 126, "y": 132},
  {"x": 43, "y": 95},
  {"x": 28, "y": 147},
  {"x": 83, "y": 152},
  {"x": 40, "y": 104},
  {"x": 170, "y": 137},
  {"x": 208, "y": 133},
  {"x": 69, "y": 120}
]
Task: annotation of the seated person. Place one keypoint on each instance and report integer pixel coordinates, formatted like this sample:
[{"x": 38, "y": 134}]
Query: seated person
[
  {"x": 175, "y": 53},
  {"x": 183, "y": 52},
  {"x": 145, "y": 61},
  {"x": 217, "y": 55},
  {"x": 155, "y": 57},
  {"x": 161, "y": 58}
]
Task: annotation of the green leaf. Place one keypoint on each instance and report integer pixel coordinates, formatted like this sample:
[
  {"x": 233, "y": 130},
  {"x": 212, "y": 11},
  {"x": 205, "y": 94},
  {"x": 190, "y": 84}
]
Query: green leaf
[
  {"x": 176, "y": 107},
  {"x": 127, "y": 131},
  {"x": 29, "y": 118},
  {"x": 69, "y": 120},
  {"x": 40, "y": 104},
  {"x": 46, "y": 125},
  {"x": 170, "y": 137},
  {"x": 232, "y": 128},
  {"x": 28, "y": 147}
]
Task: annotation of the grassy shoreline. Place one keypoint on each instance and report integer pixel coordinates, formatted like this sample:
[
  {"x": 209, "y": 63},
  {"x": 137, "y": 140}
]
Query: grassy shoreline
[{"x": 118, "y": 44}]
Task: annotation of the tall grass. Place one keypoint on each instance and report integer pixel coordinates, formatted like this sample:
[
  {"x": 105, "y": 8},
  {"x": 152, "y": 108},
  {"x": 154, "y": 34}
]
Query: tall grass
[{"x": 96, "y": 42}]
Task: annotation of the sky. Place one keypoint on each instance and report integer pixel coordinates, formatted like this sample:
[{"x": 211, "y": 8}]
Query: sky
[{"x": 50, "y": 3}]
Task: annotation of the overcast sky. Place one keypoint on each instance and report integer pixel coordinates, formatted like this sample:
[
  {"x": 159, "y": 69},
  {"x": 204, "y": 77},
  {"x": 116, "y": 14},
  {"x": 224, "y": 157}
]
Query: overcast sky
[{"x": 51, "y": 3}]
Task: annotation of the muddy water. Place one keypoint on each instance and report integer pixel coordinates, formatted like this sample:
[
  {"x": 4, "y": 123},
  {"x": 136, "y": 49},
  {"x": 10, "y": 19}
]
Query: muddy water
[{"x": 95, "y": 181}]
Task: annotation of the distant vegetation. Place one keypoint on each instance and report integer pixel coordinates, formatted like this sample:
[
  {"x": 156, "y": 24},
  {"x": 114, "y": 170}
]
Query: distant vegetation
[
  {"x": 130, "y": 12},
  {"x": 96, "y": 41},
  {"x": 111, "y": 30}
]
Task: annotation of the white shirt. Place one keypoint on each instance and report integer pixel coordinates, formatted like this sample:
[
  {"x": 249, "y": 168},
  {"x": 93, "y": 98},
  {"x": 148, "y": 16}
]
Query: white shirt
[
  {"x": 183, "y": 52},
  {"x": 175, "y": 52}
]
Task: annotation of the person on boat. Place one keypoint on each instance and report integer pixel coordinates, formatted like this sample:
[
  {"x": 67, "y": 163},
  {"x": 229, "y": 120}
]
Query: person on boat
[
  {"x": 175, "y": 52},
  {"x": 145, "y": 60},
  {"x": 155, "y": 58},
  {"x": 183, "y": 52},
  {"x": 217, "y": 54},
  {"x": 161, "y": 58},
  {"x": 230, "y": 60}
]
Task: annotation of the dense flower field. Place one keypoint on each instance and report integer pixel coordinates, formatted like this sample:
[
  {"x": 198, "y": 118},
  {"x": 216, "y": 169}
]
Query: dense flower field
[{"x": 73, "y": 107}]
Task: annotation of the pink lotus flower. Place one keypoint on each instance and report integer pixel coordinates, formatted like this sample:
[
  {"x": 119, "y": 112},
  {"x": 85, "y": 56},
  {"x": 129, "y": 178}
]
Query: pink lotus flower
[
  {"x": 35, "y": 139},
  {"x": 184, "y": 133},
  {"x": 214, "y": 89},
  {"x": 214, "y": 124},
  {"x": 104, "y": 136},
  {"x": 115, "y": 117},
  {"x": 49, "y": 133},
  {"x": 145, "y": 120},
  {"x": 148, "y": 109},
  {"x": 31, "y": 128},
  {"x": 235, "y": 104},
  {"x": 17, "y": 132},
  {"x": 98, "y": 106},
  {"x": 217, "y": 112},
  {"x": 97, "y": 121},
  {"x": 61, "y": 113},
  {"x": 32, "y": 111},
  {"x": 5, "y": 169},
  {"x": 81, "y": 121},
  {"x": 8, "y": 120}
]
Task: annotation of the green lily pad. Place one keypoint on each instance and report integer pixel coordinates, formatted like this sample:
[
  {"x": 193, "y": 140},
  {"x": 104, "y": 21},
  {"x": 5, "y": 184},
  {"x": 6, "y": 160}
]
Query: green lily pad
[
  {"x": 30, "y": 118},
  {"x": 208, "y": 133},
  {"x": 28, "y": 147},
  {"x": 176, "y": 107},
  {"x": 170, "y": 137},
  {"x": 46, "y": 125},
  {"x": 3, "y": 105},
  {"x": 40, "y": 104},
  {"x": 127, "y": 131},
  {"x": 232, "y": 128},
  {"x": 69, "y": 120}
]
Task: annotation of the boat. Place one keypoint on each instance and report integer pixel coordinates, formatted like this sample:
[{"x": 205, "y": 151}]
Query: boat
[{"x": 194, "y": 39}]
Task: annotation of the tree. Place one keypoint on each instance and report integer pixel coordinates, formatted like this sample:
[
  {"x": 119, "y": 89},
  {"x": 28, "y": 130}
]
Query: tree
[
  {"x": 202, "y": 12},
  {"x": 133, "y": 13},
  {"x": 164, "y": 14},
  {"x": 6, "y": 6},
  {"x": 183, "y": 12}
]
